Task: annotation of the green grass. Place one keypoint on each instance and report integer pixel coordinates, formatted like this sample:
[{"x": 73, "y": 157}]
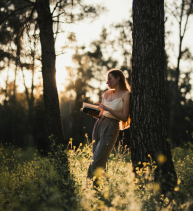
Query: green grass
[{"x": 31, "y": 182}]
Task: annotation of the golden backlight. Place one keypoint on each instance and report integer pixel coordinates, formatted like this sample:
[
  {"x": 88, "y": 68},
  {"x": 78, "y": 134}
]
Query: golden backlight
[{"x": 61, "y": 74}]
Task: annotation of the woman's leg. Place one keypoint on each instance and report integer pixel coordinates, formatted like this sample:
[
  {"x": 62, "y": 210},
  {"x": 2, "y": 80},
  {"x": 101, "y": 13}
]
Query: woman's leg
[{"x": 106, "y": 134}]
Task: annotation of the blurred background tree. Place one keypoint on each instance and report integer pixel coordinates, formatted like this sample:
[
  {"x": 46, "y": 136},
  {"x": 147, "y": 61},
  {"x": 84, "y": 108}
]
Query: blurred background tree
[
  {"x": 42, "y": 18},
  {"x": 178, "y": 80}
]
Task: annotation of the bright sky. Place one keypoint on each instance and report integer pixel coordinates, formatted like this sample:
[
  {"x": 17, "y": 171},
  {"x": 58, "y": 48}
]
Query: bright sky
[
  {"x": 88, "y": 31},
  {"x": 117, "y": 11}
]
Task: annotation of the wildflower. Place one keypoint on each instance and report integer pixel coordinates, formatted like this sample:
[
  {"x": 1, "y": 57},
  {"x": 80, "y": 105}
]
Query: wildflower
[
  {"x": 94, "y": 178},
  {"x": 115, "y": 200},
  {"x": 130, "y": 178},
  {"x": 84, "y": 203},
  {"x": 149, "y": 186},
  {"x": 178, "y": 181},
  {"x": 106, "y": 192},
  {"x": 166, "y": 200},
  {"x": 111, "y": 155},
  {"x": 156, "y": 187},
  {"x": 136, "y": 180},
  {"x": 176, "y": 188},
  {"x": 99, "y": 172},
  {"x": 106, "y": 195}
]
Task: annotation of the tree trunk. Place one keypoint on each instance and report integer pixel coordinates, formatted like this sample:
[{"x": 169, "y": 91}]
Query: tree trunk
[
  {"x": 31, "y": 105},
  {"x": 148, "y": 126},
  {"x": 51, "y": 103},
  {"x": 52, "y": 111},
  {"x": 5, "y": 110},
  {"x": 14, "y": 104}
]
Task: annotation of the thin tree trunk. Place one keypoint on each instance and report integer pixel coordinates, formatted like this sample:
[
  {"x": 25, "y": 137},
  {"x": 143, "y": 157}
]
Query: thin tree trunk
[
  {"x": 4, "y": 119},
  {"x": 14, "y": 108},
  {"x": 51, "y": 102},
  {"x": 17, "y": 63},
  {"x": 6, "y": 85},
  {"x": 148, "y": 125},
  {"x": 31, "y": 108}
]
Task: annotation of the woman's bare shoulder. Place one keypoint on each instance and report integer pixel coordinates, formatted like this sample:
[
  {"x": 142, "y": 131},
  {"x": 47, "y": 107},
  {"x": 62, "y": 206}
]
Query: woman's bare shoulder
[
  {"x": 126, "y": 95},
  {"x": 106, "y": 93}
]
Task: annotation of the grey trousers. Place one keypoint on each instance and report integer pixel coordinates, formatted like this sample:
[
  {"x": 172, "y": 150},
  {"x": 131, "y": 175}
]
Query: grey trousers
[{"x": 105, "y": 134}]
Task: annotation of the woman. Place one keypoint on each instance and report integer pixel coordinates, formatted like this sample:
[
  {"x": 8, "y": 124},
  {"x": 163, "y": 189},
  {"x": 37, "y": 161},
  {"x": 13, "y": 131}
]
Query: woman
[{"x": 114, "y": 116}]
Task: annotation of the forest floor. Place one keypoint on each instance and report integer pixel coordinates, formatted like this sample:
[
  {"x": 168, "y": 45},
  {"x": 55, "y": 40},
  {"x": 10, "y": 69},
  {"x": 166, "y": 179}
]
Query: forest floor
[{"x": 31, "y": 182}]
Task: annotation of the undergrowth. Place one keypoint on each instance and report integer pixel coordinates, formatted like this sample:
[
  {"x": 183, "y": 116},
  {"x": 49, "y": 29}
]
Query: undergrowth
[
  {"x": 48, "y": 183},
  {"x": 119, "y": 188}
]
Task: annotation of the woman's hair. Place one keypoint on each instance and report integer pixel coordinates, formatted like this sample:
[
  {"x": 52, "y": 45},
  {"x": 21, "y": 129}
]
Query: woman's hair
[{"x": 123, "y": 83}]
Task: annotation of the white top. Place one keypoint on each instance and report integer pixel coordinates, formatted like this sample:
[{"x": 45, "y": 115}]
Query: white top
[{"x": 116, "y": 105}]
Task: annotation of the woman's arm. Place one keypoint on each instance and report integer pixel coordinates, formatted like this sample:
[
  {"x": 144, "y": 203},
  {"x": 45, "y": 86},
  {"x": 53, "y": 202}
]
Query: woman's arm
[
  {"x": 125, "y": 113},
  {"x": 100, "y": 114}
]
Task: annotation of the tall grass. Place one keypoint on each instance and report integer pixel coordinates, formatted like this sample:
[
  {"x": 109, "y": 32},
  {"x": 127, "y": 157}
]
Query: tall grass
[
  {"x": 39, "y": 183},
  {"x": 34, "y": 183},
  {"x": 121, "y": 190}
]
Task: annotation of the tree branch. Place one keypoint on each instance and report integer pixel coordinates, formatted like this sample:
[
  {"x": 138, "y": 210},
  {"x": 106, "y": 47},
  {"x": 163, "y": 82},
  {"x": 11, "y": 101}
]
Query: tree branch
[
  {"x": 188, "y": 14},
  {"x": 60, "y": 54},
  {"x": 14, "y": 13},
  {"x": 24, "y": 24},
  {"x": 175, "y": 16},
  {"x": 180, "y": 23},
  {"x": 57, "y": 28},
  {"x": 56, "y": 6},
  {"x": 32, "y": 3},
  {"x": 69, "y": 22},
  {"x": 58, "y": 15}
]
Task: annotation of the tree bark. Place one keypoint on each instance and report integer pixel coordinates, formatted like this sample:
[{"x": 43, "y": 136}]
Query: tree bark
[
  {"x": 51, "y": 102},
  {"x": 148, "y": 125}
]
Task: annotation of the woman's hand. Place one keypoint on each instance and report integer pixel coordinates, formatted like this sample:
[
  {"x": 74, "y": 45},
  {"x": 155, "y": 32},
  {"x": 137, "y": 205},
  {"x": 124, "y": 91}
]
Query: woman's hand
[{"x": 103, "y": 107}]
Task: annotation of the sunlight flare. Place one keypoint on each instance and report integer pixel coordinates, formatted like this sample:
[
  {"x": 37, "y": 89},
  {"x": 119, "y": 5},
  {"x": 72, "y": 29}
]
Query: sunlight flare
[{"x": 61, "y": 74}]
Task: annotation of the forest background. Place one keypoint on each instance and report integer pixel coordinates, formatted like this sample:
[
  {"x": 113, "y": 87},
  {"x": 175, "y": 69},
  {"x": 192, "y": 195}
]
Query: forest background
[{"x": 96, "y": 42}]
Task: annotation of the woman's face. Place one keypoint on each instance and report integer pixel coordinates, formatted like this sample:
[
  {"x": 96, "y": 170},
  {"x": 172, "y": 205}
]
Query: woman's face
[{"x": 112, "y": 82}]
